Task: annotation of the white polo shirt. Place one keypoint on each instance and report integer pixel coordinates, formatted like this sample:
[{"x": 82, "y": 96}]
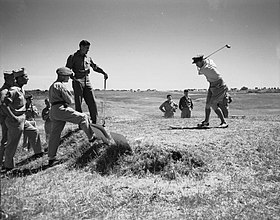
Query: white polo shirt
[{"x": 209, "y": 70}]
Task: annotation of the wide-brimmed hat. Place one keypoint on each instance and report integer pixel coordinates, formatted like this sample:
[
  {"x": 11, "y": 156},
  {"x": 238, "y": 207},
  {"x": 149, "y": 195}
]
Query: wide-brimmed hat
[
  {"x": 64, "y": 71},
  {"x": 197, "y": 58}
]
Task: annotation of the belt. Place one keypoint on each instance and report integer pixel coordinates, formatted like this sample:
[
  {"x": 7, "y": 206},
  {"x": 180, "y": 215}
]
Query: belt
[{"x": 59, "y": 103}]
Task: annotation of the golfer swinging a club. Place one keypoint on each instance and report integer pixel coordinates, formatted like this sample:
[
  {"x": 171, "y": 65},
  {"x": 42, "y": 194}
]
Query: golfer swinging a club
[{"x": 216, "y": 92}]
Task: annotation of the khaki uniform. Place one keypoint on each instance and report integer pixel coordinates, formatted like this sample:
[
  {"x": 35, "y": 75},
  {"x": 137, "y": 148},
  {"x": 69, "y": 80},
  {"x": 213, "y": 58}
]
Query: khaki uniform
[
  {"x": 3, "y": 91},
  {"x": 168, "y": 107},
  {"x": 16, "y": 101},
  {"x": 60, "y": 113},
  {"x": 48, "y": 123},
  {"x": 80, "y": 64},
  {"x": 186, "y": 106}
]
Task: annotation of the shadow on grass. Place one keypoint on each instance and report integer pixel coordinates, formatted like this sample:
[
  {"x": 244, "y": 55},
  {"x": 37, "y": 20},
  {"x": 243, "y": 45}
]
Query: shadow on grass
[{"x": 21, "y": 172}]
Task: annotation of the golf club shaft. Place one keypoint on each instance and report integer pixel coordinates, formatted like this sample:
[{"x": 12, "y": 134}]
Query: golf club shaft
[{"x": 227, "y": 46}]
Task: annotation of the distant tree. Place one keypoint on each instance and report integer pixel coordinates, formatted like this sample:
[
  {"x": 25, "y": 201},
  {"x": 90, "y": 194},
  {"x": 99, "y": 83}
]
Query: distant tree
[{"x": 244, "y": 88}]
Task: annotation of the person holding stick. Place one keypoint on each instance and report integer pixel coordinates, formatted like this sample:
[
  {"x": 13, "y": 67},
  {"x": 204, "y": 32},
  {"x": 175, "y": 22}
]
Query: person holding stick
[
  {"x": 216, "y": 92},
  {"x": 80, "y": 64}
]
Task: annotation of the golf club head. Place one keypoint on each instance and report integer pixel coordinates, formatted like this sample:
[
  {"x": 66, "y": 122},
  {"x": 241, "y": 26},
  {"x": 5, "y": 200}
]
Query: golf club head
[{"x": 228, "y": 46}]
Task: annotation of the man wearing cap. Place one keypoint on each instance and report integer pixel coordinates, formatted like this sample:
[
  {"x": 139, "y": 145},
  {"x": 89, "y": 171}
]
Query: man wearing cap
[
  {"x": 14, "y": 103},
  {"x": 217, "y": 89},
  {"x": 30, "y": 114},
  {"x": 9, "y": 82},
  {"x": 60, "y": 113},
  {"x": 186, "y": 105},
  {"x": 80, "y": 63}
]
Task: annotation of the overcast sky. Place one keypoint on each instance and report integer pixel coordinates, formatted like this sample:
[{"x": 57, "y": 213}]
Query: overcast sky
[{"x": 144, "y": 44}]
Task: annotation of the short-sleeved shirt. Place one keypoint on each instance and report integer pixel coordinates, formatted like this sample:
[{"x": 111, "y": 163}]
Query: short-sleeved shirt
[
  {"x": 16, "y": 101},
  {"x": 209, "y": 70},
  {"x": 59, "y": 93},
  {"x": 3, "y": 92},
  {"x": 80, "y": 64}
]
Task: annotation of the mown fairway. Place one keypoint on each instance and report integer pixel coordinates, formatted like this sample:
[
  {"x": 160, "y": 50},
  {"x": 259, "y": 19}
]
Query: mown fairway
[{"x": 231, "y": 173}]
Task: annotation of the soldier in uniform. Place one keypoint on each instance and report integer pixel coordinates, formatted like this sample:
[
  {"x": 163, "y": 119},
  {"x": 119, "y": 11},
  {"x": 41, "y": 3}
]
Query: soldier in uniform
[
  {"x": 80, "y": 64},
  {"x": 186, "y": 105},
  {"x": 168, "y": 107},
  {"x": 30, "y": 114},
  {"x": 9, "y": 81},
  {"x": 15, "y": 105},
  {"x": 46, "y": 118},
  {"x": 60, "y": 113}
]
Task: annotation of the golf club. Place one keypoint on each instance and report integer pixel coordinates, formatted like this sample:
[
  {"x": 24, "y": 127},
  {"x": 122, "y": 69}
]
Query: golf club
[{"x": 226, "y": 46}]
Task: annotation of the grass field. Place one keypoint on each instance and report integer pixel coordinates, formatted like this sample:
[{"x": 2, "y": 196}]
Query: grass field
[{"x": 231, "y": 173}]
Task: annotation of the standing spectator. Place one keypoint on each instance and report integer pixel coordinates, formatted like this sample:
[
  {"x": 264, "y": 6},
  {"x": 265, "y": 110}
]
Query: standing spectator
[
  {"x": 186, "y": 105},
  {"x": 30, "y": 115},
  {"x": 9, "y": 82},
  {"x": 224, "y": 104},
  {"x": 60, "y": 113},
  {"x": 168, "y": 107},
  {"x": 80, "y": 64},
  {"x": 15, "y": 105},
  {"x": 46, "y": 118},
  {"x": 217, "y": 89}
]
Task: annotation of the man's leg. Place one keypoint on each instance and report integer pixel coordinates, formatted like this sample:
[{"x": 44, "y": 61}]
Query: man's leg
[
  {"x": 15, "y": 130},
  {"x": 220, "y": 114},
  {"x": 57, "y": 127},
  {"x": 91, "y": 103},
  {"x": 78, "y": 95},
  {"x": 3, "y": 140},
  {"x": 33, "y": 137}
]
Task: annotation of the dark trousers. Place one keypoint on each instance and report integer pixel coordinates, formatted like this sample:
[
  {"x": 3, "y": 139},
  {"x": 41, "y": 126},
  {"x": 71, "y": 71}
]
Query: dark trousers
[{"x": 83, "y": 89}]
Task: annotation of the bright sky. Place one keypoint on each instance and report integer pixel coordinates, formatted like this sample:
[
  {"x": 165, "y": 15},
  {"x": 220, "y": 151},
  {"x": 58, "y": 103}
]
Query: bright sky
[{"x": 144, "y": 44}]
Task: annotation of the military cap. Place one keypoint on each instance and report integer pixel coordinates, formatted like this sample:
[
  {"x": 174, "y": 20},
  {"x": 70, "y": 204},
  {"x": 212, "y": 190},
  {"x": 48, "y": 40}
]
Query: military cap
[
  {"x": 197, "y": 58},
  {"x": 8, "y": 73},
  {"x": 64, "y": 71},
  {"x": 29, "y": 96},
  {"x": 19, "y": 72}
]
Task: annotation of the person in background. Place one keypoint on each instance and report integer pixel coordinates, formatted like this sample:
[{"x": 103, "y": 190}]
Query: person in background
[
  {"x": 216, "y": 92},
  {"x": 30, "y": 115},
  {"x": 80, "y": 64},
  {"x": 168, "y": 107},
  {"x": 60, "y": 98},
  {"x": 224, "y": 105},
  {"x": 186, "y": 105},
  {"x": 9, "y": 81},
  {"x": 15, "y": 106},
  {"x": 46, "y": 118}
]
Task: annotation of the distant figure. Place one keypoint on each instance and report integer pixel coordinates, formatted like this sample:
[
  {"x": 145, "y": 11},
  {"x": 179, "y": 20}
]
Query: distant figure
[
  {"x": 46, "y": 118},
  {"x": 168, "y": 107},
  {"x": 217, "y": 89},
  {"x": 60, "y": 113},
  {"x": 186, "y": 105},
  {"x": 80, "y": 64},
  {"x": 30, "y": 115},
  {"x": 224, "y": 105},
  {"x": 16, "y": 123},
  {"x": 9, "y": 82}
]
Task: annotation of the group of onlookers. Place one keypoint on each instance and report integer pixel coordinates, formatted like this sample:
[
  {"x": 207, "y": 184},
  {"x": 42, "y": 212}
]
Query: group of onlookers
[
  {"x": 169, "y": 107},
  {"x": 17, "y": 112}
]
